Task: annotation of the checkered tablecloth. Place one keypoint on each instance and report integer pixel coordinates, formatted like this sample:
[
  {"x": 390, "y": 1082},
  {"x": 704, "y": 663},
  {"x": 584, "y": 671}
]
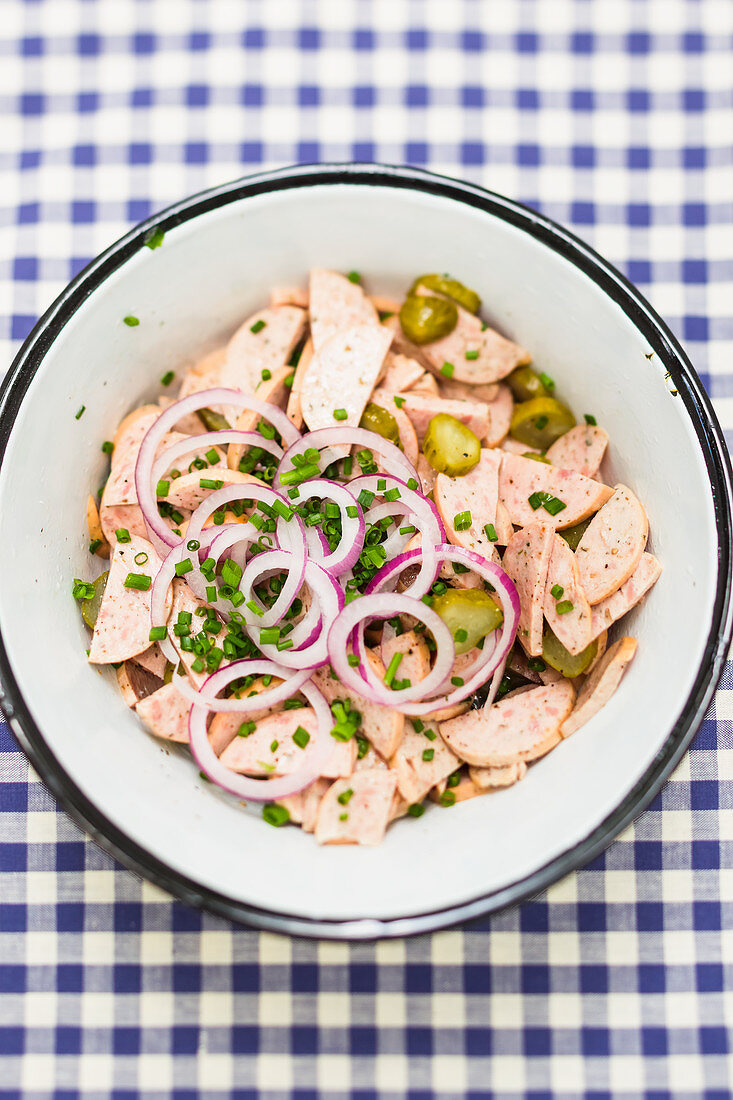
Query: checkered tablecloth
[{"x": 612, "y": 116}]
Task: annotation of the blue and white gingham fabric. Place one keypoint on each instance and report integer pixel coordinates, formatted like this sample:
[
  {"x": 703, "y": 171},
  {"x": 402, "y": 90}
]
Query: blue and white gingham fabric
[{"x": 616, "y": 118}]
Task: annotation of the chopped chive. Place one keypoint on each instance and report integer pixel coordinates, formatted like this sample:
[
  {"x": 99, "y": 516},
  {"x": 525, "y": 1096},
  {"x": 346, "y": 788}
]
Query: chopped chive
[
  {"x": 399, "y": 401},
  {"x": 536, "y": 500},
  {"x": 270, "y": 635},
  {"x": 353, "y": 660},
  {"x": 462, "y": 521},
  {"x": 131, "y": 321},
  {"x": 162, "y": 488},
  {"x": 394, "y": 664},
  {"x": 354, "y": 277},
  {"x": 140, "y": 581},
  {"x": 154, "y": 238},
  {"x": 94, "y": 545},
  {"x": 392, "y": 494},
  {"x": 454, "y": 779},
  {"x": 210, "y": 483},
  {"x": 365, "y": 498},
  {"x": 348, "y": 466},
  {"x": 536, "y": 664},
  {"x": 590, "y": 420},
  {"x": 411, "y": 483},
  {"x": 141, "y": 558},
  {"x": 288, "y": 383},
  {"x": 553, "y": 505},
  {"x": 80, "y": 413},
  {"x": 490, "y": 532},
  {"x": 266, "y": 375},
  {"x": 246, "y": 729},
  {"x": 547, "y": 382},
  {"x": 157, "y": 633},
  {"x": 362, "y": 747},
  {"x": 254, "y": 608},
  {"x": 417, "y": 725},
  {"x": 168, "y": 378},
  {"x": 183, "y": 567},
  {"x": 447, "y": 370},
  {"x": 448, "y": 798},
  {"x": 82, "y": 590},
  {"x": 275, "y": 815},
  {"x": 212, "y": 456},
  {"x": 340, "y": 414},
  {"x": 122, "y": 534},
  {"x": 457, "y": 681},
  {"x": 563, "y": 607},
  {"x": 108, "y": 446},
  {"x": 381, "y": 484},
  {"x": 461, "y": 635},
  {"x": 352, "y": 511},
  {"x": 430, "y": 734},
  {"x": 301, "y": 737},
  {"x": 541, "y": 422},
  {"x": 416, "y": 809},
  {"x": 428, "y": 755},
  {"x": 409, "y": 530},
  {"x": 345, "y": 797},
  {"x": 211, "y": 593},
  {"x": 266, "y": 429},
  {"x": 274, "y": 745},
  {"x": 472, "y": 354},
  {"x": 343, "y": 817},
  {"x": 257, "y": 326},
  {"x": 556, "y": 591},
  {"x": 231, "y": 573}
]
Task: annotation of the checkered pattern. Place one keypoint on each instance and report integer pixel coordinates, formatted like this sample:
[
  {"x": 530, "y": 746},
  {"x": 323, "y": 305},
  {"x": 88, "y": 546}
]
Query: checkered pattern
[{"x": 613, "y": 116}]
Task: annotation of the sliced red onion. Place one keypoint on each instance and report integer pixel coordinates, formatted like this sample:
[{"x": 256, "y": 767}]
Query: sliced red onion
[
  {"x": 269, "y": 563},
  {"x": 325, "y": 438},
  {"x": 160, "y": 534},
  {"x": 492, "y": 656},
  {"x": 350, "y": 545},
  {"x": 259, "y": 790},
  {"x": 159, "y": 598},
  {"x": 327, "y": 601},
  {"x": 193, "y": 443}
]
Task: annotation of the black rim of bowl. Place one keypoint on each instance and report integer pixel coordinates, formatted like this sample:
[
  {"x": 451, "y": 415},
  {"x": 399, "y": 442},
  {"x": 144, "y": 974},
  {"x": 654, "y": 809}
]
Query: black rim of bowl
[{"x": 683, "y": 376}]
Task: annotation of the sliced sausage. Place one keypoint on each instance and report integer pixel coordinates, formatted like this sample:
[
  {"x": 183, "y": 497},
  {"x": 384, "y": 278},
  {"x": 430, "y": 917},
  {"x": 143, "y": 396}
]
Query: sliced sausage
[
  {"x": 500, "y": 416},
  {"x": 421, "y": 761},
  {"x": 476, "y": 492},
  {"x": 462, "y": 391},
  {"x": 294, "y": 410},
  {"x": 521, "y": 478},
  {"x": 526, "y": 560},
  {"x": 165, "y": 714},
  {"x": 415, "y": 660},
  {"x": 362, "y": 815},
  {"x": 382, "y": 726},
  {"x": 492, "y": 778},
  {"x": 514, "y": 447},
  {"x": 581, "y": 449},
  {"x": 289, "y": 296},
  {"x": 612, "y": 545},
  {"x": 205, "y": 375},
  {"x": 153, "y": 661},
  {"x": 183, "y": 600},
  {"x": 496, "y": 357},
  {"x": 645, "y": 575},
  {"x": 342, "y": 375},
  {"x": 426, "y": 385},
  {"x": 524, "y": 727},
  {"x": 461, "y": 792},
  {"x": 136, "y": 682},
  {"x": 129, "y": 516},
  {"x": 264, "y": 342},
  {"x": 272, "y": 748},
  {"x": 122, "y": 629},
  {"x": 187, "y": 492},
  {"x": 400, "y": 373},
  {"x": 572, "y": 627},
  {"x": 303, "y": 806},
  {"x": 335, "y": 304},
  {"x": 426, "y": 473},
  {"x": 600, "y": 684},
  {"x": 120, "y": 486},
  {"x": 421, "y": 408}
]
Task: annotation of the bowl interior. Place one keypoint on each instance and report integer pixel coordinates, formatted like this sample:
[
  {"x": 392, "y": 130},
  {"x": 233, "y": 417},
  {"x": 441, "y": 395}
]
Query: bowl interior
[{"x": 189, "y": 295}]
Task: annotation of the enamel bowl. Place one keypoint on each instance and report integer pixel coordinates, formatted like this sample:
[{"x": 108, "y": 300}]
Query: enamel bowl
[{"x": 143, "y": 800}]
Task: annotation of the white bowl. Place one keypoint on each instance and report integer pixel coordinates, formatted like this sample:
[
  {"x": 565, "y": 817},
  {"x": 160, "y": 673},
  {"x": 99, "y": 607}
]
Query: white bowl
[{"x": 585, "y": 325}]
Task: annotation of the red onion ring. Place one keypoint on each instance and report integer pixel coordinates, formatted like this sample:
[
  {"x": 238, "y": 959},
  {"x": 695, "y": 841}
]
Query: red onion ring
[
  {"x": 160, "y": 534},
  {"x": 211, "y": 439},
  {"x": 309, "y": 651},
  {"x": 346, "y": 554},
  {"x": 258, "y": 790},
  {"x": 270, "y": 562},
  {"x": 324, "y": 438}
]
